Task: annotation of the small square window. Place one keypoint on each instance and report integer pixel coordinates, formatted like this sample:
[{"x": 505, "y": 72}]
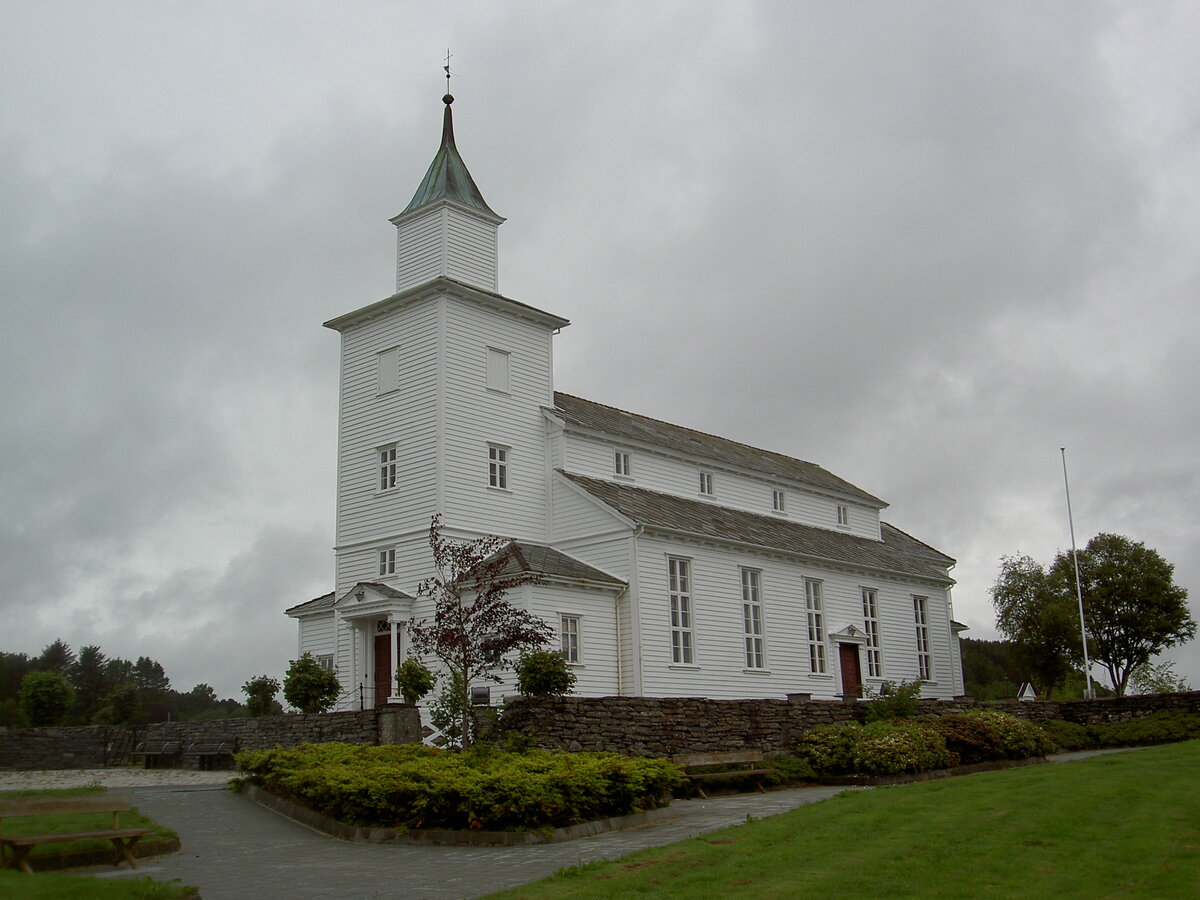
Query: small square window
[
  {"x": 481, "y": 696},
  {"x": 621, "y": 464},
  {"x": 778, "y": 501},
  {"x": 498, "y": 467},
  {"x": 706, "y": 483},
  {"x": 843, "y": 515},
  {"x": 325, "y": 661},
  {"x": 387, "y": 561},
  {"x": 387, "y": 467}
]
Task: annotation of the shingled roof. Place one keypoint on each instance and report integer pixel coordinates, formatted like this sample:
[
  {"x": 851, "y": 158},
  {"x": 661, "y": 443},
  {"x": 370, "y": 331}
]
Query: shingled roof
[
  {"x": 630, "y": 426},
  {"x": 897, "y": 553},
  {"x": 325, "y": 601},
  {"x": 543, "y": 560}
]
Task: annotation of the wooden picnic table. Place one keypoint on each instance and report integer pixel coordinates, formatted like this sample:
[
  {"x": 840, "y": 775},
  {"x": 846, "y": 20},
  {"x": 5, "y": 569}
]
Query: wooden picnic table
[{"x": 123, "y": 839}]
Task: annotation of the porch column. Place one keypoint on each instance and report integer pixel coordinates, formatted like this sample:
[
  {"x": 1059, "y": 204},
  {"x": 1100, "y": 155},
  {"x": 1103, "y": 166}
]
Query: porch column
[{"x": 394, "y": 698}]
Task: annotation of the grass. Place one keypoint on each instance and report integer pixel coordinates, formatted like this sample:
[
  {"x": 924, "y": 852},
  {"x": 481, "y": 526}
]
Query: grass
[
  {"x": 14, "y": 826},
  {"x": 1123, "y": 825},
  {"x": 56, "y": 886}
]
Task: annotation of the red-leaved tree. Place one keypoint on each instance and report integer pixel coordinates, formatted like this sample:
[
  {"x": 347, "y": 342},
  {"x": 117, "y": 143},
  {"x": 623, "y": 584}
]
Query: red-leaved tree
[{"x": 474, "y": 628}]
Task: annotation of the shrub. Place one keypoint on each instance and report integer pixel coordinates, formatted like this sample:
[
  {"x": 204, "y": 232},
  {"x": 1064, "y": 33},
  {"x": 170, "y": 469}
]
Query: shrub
[
  {"x": 1015, "y": 738},
  {"x": 414, "y": 679},
  {"x": 894, "y": 701},
  {"x": 544, "y": 673},
  {"x": 45, "y": 698},
  {"x": 446, "y": 711},
  {"x": 421, "y": 787},
  {"x": 788, "y": 770},
  {"x": 1156, "y": 728},
  {"x": 310, "y": 687},
  {"x": 894, "y": 748},
  {"x": 829, "y": 749},
  {"x": 260, "y": 695},
  {"x": 1069, "y": 735}
]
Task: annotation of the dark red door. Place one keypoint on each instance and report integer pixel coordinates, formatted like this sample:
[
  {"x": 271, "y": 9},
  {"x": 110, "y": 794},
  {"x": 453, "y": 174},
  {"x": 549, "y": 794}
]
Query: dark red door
[
  {"x": 851, "y": 673},
  {"x": 383, "y": 668}
]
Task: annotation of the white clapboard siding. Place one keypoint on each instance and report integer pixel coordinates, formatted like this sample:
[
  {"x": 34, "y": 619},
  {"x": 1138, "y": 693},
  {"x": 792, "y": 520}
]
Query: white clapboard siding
[
  {"x": 444, "y": 240},
  {"x": 419, "y": 249},
  {"x": 471, "y": 246},
  {"x": 596, "y": 673},
  {"x": 476, "y": 417},
  {"x": 574, "y": 515},
  {"x": 317, "y": 634},
  {"x": 594, "y": 457}
]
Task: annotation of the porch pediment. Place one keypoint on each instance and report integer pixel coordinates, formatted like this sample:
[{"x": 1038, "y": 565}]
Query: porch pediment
[
  {"x": 849, "y": 634},
  {"x": 370, "y": 599}
]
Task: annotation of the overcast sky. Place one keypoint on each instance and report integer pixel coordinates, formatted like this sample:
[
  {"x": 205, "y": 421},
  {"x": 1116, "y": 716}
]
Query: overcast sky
[{"x": 922, "y": 244}]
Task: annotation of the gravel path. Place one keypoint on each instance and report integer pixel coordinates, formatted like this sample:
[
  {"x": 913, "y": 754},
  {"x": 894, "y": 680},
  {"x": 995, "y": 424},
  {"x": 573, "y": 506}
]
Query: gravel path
[{"x": 39, "y": 779}]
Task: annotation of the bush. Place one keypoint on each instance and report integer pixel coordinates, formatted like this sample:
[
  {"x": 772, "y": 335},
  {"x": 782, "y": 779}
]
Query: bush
[
  {"x": 544, "y": 673},
  {"x": 788, "y": 770},
  {"x": 981, "y": 736},
  {"x": 414, "y": 679},
  {"x": 1156, "y": 728},
  {"x": 310, "y": 687},
  {"x": 894, "y": 701},
  {"x": 1069, "y": 735},
  {"x": 413, "y": 786},
  {"x": 895, "y": 748},
  {"x": 829, "y": 749},
  {"x": 260, "y": 695},
  {"x": 45, "y": 698}
]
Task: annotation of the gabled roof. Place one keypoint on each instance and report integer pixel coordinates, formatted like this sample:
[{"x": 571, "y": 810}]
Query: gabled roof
[
  {"x": 538, "y": 558},
  {"x": 623, "y": 425},
  {"x": 325, "y": 601},
  {"x": 447, "y": 177},
  {"x": 897, "y": 553}
]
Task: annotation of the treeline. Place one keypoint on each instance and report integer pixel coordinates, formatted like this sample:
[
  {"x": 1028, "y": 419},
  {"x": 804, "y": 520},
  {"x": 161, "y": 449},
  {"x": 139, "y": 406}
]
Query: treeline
[
  {"x": 995, "y": 670},
  {"x": 90, "y": 688}
]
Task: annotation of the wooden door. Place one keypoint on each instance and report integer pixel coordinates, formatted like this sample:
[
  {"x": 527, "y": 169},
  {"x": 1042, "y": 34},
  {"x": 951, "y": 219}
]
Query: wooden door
[
  {"x": 383, "y": 668},
  {"x": 851, "y": 671}
]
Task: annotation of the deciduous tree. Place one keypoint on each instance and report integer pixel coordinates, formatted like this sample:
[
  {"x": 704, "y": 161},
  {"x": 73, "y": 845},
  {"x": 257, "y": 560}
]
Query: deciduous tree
[
  {"x": 1132, "y": 606},
  {"x": 308, "y": 686},
  {"x": 474, "y": 628},
  {"x": 1041, "y": 623}
]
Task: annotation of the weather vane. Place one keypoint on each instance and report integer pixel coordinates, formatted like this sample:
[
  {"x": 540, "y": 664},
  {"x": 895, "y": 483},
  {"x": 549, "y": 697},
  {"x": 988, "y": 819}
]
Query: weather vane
[{"x": 447, "y": 68}]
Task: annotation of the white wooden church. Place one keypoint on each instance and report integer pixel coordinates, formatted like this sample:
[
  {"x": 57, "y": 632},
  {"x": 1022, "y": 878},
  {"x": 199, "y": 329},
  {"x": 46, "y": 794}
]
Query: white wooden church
[{"x": 672, "y": 562}]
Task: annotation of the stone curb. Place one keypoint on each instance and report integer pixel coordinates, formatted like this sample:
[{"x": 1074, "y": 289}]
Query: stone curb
[
  {"x": 912, "y": 777},
  {"x": 371, "y": 835}
]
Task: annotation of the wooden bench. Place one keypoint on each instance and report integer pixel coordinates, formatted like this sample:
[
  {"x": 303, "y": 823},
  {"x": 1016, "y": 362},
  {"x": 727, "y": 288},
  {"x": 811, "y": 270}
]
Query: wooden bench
[
  {"x": 210, "y": 753},
  {"x": 733, "y": 764},
  {"x": 156, "y": 754},
  {"x": 123, "y": 839}
]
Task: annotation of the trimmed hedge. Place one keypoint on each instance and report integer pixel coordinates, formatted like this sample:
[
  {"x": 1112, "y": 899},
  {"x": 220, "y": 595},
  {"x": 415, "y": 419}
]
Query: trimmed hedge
[
  {"x": 918, "y": 745},
  {"x": 1156, "y": 728},
  {"x": 412, "y": 786}
]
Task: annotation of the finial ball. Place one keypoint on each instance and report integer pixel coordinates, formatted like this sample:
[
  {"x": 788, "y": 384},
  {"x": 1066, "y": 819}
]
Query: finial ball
[{"x": 448, "y": 99}]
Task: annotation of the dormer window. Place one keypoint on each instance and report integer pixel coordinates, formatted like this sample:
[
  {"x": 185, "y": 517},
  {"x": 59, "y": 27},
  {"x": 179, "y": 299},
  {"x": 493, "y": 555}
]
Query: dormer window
[
  {"x": 621, "y": 464},
  {"x": 706, "y": 483}
]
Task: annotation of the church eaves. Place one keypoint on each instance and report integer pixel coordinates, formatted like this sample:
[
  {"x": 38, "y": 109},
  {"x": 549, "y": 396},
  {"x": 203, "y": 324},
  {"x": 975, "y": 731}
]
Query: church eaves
[{"x": 448, "y": 178}]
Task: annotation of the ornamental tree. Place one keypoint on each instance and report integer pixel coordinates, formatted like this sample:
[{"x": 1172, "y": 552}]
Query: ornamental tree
[
  {"x": 260, "y": 694},
  {"x": 1132, "y": 607},
  {"x": 474, "y": 628},
  {"x": 45, "y": 698},
  {"x": 310, "y": 687}
]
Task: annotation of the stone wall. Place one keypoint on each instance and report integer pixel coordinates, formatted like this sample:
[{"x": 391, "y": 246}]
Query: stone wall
[
  {"x": 664, "y": 726},
  {"x": 84, "y": 746}
]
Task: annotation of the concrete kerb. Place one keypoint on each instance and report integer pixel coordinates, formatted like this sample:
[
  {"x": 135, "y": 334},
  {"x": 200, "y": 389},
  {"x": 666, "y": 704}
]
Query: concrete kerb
[{"x": 370, "y": 835}]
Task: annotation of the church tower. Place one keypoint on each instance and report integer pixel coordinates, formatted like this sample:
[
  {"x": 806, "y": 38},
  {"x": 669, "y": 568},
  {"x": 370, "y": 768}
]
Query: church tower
[{"x": 442, "y": 390}]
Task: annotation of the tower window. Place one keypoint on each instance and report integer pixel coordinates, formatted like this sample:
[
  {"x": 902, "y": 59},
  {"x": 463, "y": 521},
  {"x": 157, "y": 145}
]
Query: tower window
[
  {"x": 498, "y": 467},
  {"x": 387, "y": 467}
]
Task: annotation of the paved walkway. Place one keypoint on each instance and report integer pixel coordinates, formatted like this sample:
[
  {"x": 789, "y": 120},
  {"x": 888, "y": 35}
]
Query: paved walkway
[{"x": 234, "y": 849}]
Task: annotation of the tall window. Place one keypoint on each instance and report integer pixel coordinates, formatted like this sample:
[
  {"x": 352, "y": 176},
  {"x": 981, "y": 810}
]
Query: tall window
[
  {"x": 497, "y": 370},
  {"x": 752, "y": 618},
  {"x": 814, "y": 607},
  {"x": 497, "y": 466},
  {"x": 778, "y": 501},
  {"x": 921, "y": 617},
  {"x": 387, "y": 370},
  {"x": 870, "y": 604},
  {"x": 387, "y": 467},
  {"x": 387, "y": 561},
  {"x": 569, "y": 637},
  {"x": 706, "y": 483},
  {"x": 682, "y": 644},
  {"x": 843, "y": 514},
  {"x": 621, "y": 463}
]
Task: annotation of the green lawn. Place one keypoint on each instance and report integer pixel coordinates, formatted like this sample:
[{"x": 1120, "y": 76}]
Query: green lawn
[
  {"x": 1123, "y": 825},
  {"x": 57, "y": 886}
]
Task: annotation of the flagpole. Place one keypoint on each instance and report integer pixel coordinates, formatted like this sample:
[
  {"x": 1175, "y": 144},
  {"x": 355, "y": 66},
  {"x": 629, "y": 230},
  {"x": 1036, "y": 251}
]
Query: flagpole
[{"x": 1088, "y": 691}]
